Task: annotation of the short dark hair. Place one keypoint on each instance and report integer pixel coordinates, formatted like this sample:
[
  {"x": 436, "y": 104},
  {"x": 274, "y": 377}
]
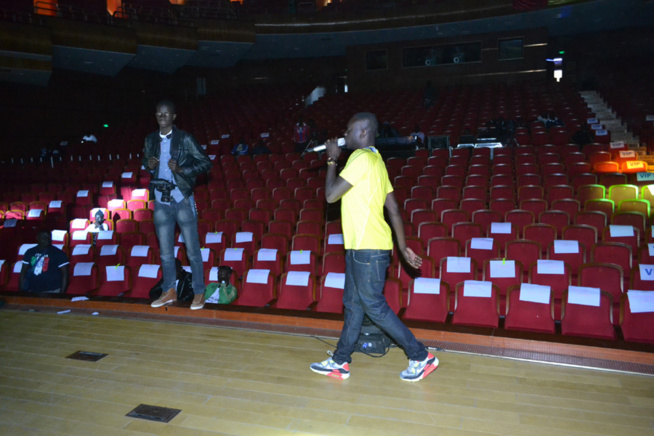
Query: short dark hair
[
  {"x": 371, "y": 121},
  {"x": 168, "y": 103}
]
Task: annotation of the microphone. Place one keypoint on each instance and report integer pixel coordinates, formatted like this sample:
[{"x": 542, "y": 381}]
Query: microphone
[{"x": 340, "y": 142}]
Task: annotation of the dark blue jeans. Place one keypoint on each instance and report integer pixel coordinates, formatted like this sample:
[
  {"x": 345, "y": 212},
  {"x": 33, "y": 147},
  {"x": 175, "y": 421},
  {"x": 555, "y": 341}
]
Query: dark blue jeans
[
  {"x": 166, "y": 216},
  {"x": 365, "y": 274}
]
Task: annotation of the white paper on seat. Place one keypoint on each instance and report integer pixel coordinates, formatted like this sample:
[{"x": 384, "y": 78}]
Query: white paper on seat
[
  {"x": 55, "y": 204},
  {"x": 617, "y": 231},
  {"x": 108, "y": 250},
  {"x": 108, "y": 184},
  {"x": 181, "y": 238},
  {"x": 214, "y": 238},
  {"x": 140, "y": 251},
  {"x": 645, "y": 177},
  {"x": 83, "y": 269},
  {"x": 300, "y": 257},
  {"x": 79, "y": 235},
  {"x": 24, "y": 247},
  {"x": 265, "y": 135},
  {"x": 175, "y": 250},
  {"x": 213, "y": 274},
  {"x": 243, "y": 237},
  {"x": 204, "y": 147},
  {"x": 138, "y": 193},
  {"x": 602, "y": 132},
  {"x": 34, "y": 213},
  {"x": 115, "y": 273},
  {"x": 58, "y": 235},
  {"x": 215, "y": 142},
  {"x": 234, "y": 254},
  {"x": 335, "y": 239},
  {"x": 592, "y": 121},
  {"x": 650, "y": 249},
  {"x": 205, "y": 252},
  {"x": 641, "y": 301},
  {"x": 78, "y": 223},
  {"x": 297, "y": 278},
  {"x": 225, "y": 136},
  {"x": 257, "y": 276},
  {"x": 584, "y": 295},
  {"x": 562, "y": 246},
  {"x": 616, "y": 144},
  {"x": 18, "y": 266},
  {"x": 502, "y": 269},
  {"x": 267, "y": 254},
  {"x": 105, "y": 235},
  {"x": 425, "y": 285},
  {"x": 646, "y": 272},
  {"x": 212, "y": 156},
  {"x": 481, "y": 243},
  {"x": 81, "y": 249},
  {"x": 500, "y": 228},
  {"x": 127, "y": 175},
  {"x": 83, "y": 193},
  {"x": 627, "y": 154},
  {"x": 476, "y": 288},
  {"x": 458, "y": 264},
  {"x": 596, "y": 126},
  {"x": 10, "y": 223},
  {"x": 115, "y": 203},
  {"x": 335, "y": 280},
  {"x": 149, "y": 271},
  {"x": 188, "y": 270},
  {"x": 547, "y": 266},
  {"x": 535, "y": 293},
  {"x": 2, "y": 262}
]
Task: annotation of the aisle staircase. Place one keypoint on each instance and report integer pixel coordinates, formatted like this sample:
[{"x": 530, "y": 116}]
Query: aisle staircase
[{"x": 610, "y": 120}]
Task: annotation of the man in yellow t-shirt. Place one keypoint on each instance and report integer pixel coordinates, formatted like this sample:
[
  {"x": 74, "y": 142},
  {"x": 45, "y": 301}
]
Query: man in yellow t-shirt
[{"x": 365, "y": 190}]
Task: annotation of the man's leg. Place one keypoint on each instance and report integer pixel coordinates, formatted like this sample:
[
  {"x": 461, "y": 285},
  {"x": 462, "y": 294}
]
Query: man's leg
[
  {"x": 188, "y": 223},
  {"x": 164, "y": 222}
]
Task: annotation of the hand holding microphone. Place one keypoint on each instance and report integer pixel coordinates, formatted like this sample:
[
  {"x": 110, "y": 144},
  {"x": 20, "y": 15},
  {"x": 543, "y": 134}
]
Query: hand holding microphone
[
  {"x": 334, "y": 147},
  {"x": 340, "y": 143}
]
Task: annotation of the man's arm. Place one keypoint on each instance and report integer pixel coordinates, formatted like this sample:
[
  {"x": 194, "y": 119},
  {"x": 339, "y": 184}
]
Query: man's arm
[
  {"x": 198, "y": 161},
  {"x": 64, "y": 278},
  {"x": 335, "y": 186},
  {"x": 398, "y": 227},
  {"x": 21, "y": 280}
]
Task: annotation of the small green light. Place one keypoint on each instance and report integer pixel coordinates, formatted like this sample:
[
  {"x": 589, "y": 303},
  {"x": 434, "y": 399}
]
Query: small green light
[
  {"x": 561, "y": 52},
  {"x": 106, "y": 125}
]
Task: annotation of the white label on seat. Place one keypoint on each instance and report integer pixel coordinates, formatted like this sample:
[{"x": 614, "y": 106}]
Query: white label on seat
[
  {"x": 267, "y": 254},
  {"x": 234, "y": 254},
  {"x": 476, "y": 288},
  {"x": 18, "y": 266},
  {"x": 79, "y": 235},
  {"x": 115, "y": 204},
  {"x": 23, "y": 248},
  {"x": 212, "y": 156},
  {"x": 641, "y": 301},
  {"x": 225, "y": 136},
  {"x": 592, "y": 121},
  {"x": 59, "y": 235},
  {"x": 500, "y": 228},
  {"x": 188, "y": 270},
  {"x": 149, "y": 271},
  {"x": 213, "y": 274},
  {"x": 2, "y": 262},
  {"x": 214, "y": 238},
  {"x": 243, "y": 237},
  {"x": 34, "y": 213},
  {"x": 617, "y": 231},
  {"x": 108, "y": 250},
  {"x": 79, "y": 223},
  {"x": 650, "y": 249},
  {"x": 138, "y": 193},
  {"x": 205, "y": 252},
  {"x": 215, "y": 142},
  {"x": 601, "y": 132},
  {"x": 335, "y": 239},
  {"x": 297, "y": 278},
  {"x": 127, "y": 175},
  {"x": 83, "y": 193},
  {"x": 257, "y": 276},
  {"x": 83, "y": 269},
  {"x": 105, "y": 235},
  {"x": 481, "y": 243},
  {"x": 81, "y": 249},
  {"x": 335, "y": 280},
  {"x": 140, "y": 251},
  {"x": 547, "y": 266},
  {"x": 180, "y": 239},
  {"x": 300, "y": 257},
  {"x": 627, "y": 154},
  {"x": 535, "y": 293},
  {"x": 424, "y": 285},
  {"x": 115, "y": 273},
  {"x": 596, "y": 126},
  {"x": 584, "y": 295},
  {"x": 55, "y": 204},
  {"x": 566, "y": 246},
  {"x": 458, "y": 265},
  {"x": 646, "y": 272},
  {"x": 502, "y": 269},
  {"x": 616, "y": 144},
  {"x": 108, "y": 184}
]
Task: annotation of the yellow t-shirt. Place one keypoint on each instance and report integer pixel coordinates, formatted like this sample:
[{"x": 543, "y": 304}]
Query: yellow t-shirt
[{"x": 362, "y": 207}]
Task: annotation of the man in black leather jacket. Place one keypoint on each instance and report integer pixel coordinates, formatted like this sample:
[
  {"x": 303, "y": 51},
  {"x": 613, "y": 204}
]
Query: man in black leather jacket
[{"x": 173, "y": 155}]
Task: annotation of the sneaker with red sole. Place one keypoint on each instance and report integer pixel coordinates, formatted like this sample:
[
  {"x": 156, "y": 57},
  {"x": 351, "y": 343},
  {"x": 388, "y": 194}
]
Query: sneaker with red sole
[
  {"x": 331, "y": 369},
  {"x": 418, "y": 370}
]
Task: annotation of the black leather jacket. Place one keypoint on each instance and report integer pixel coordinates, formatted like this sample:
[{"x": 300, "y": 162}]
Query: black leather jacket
[{"x": 192, "y": 160}]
